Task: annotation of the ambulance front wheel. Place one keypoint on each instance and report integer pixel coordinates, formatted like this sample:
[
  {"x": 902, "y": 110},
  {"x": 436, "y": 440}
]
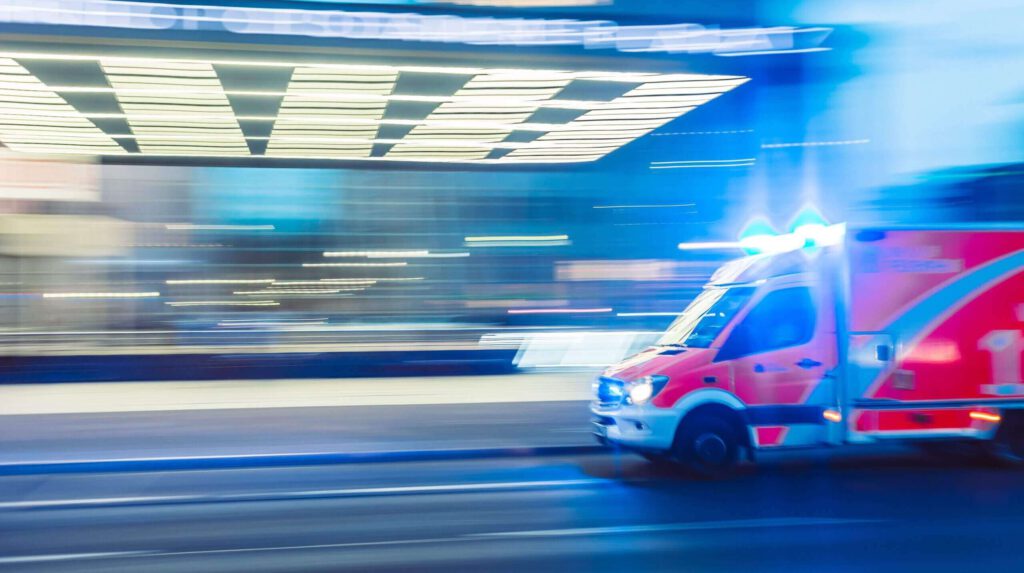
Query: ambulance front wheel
[{"x": 707, "y": 445}]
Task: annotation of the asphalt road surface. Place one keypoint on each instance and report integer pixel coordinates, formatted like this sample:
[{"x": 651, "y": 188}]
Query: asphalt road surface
[
  {"x": 92, "y": 436},
  {"x": 598, "y": 512},
  {"x": 587, "y": 513}
]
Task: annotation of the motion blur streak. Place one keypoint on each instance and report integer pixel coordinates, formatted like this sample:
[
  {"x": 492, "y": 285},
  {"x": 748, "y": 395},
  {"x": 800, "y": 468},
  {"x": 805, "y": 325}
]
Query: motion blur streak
[{"x": 487, "y": 285}]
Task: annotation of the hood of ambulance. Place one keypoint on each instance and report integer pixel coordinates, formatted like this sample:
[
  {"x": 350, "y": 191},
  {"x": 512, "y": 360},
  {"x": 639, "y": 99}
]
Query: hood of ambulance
[{"x": 667, "y": 361}]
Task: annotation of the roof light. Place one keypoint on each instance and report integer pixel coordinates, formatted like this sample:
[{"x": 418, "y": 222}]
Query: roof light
[{"x": 819, "y": 235}]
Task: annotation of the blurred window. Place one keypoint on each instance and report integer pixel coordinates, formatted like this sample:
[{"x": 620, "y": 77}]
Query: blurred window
[
  {"x": 782, "y": 319},
  {"x": 707, "y": 315}
]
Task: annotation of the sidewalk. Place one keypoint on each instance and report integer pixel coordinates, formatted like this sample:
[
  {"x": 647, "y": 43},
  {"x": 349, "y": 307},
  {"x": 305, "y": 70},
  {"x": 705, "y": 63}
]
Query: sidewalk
[
  {"x": 100, "y": 397},
  {"x": 205, "y": 425}
]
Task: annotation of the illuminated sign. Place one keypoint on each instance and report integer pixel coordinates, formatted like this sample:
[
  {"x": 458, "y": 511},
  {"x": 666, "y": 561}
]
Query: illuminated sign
[
  {"x": 178, "y": 107},
  {"x": 359, "y": 25}
]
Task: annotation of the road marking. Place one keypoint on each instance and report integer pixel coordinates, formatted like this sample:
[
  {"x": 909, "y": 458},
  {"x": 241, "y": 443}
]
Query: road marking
[
  {"x": 71, "y": 556},
  {"x": 649, "y": 528},
  {"x": 690, "y": 526},
  {"x": 316, "y": 493},
  {"x": 100, "y": 501},
  {"x": 239, "y": 461}
]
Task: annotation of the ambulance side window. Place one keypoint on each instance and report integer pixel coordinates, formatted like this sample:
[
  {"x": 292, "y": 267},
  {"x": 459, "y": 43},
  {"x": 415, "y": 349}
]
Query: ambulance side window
[{"x": 782, "y": 319}]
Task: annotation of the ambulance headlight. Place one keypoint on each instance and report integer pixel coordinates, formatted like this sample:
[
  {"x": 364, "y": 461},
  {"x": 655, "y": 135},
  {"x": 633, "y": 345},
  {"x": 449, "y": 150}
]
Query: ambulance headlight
[{"x": 642, "y": 390}]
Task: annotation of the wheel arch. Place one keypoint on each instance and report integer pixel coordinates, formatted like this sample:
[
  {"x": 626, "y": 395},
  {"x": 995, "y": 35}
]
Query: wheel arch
[{"x": 717, "y": 403}]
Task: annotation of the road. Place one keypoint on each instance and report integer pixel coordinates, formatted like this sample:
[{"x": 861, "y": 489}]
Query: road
[
  {"x": 585, "y": 513},
  {"x": 842, "y": 511},
  {"x": 269, "y": 431},
  {"x": 90, "y": 421}
]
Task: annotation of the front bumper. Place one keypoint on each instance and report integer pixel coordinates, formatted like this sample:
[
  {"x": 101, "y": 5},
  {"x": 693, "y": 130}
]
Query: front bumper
[{"x": 637, "y": 427}]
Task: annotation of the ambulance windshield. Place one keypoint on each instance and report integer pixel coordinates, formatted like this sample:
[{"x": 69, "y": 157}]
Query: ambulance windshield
[{"x": 706, "y": 316}]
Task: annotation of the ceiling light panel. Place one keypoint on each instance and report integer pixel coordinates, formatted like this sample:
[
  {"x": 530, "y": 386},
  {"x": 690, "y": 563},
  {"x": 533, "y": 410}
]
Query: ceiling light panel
[
  {"x": 354, "y": 118},
  {"x": 497, "y": 98},
  {"x": 610, "y": 125},
  {"x": 332, "y": 111},
  {"x": 191, "y": 100},
  {"x": 34, "y": 118}
]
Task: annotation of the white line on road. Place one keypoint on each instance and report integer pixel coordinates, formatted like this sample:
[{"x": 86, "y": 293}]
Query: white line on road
[
  {"x": 70, "y": 556},
  {"x": 317, "y": 493},
  {"x": 692, "y": 526},
  {"x": 96, "y": 501},
  {"x": 647, "y": 528}
]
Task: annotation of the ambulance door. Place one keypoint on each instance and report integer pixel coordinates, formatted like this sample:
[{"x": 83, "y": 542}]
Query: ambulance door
[{"x": 782, "y": 357}]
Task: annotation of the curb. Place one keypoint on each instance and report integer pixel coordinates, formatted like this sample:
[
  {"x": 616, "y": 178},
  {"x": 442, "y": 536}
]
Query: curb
[{"x": 284, "y": 460}]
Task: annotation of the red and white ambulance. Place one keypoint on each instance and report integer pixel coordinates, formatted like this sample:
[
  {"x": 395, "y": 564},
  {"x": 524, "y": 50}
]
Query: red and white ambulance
[{"x": 888, "y": 334}]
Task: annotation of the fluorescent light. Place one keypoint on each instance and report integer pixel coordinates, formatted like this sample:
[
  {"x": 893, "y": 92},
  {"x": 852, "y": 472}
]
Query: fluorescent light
[
  {"x": 224, "y": 303},
  {"x": 644, "y": 206},
  {"x": 179, "y": 108},
  {"x": 211, "y": 104},
  {"x": 712, "y": 245},
  {"x": 396, "y": 264},
  {"x": 488, "y": 84},
  {"x": 218, "y": 281},
  {"x": 377, "y": 254},
  {"x": 647, "y": 313},
  {"x": 393, "y": 254},
  {"x": 815, "y": 143},
  {"x": 74, "y": 134},
  {"x": 325, "y": 282},
  {"x": 518, "y": 241},
  {"x": 287, "y": 291},
  {"x": 100, "y": 294},
  {"x": 772, "y": 52},
  {"x": 703, "y": 166},
  {"x": 558, "y": 310},
  {"x": 191, "y": 227},
  {"x": 704, "y": 161},
  {"x": 512, "y": 238}
]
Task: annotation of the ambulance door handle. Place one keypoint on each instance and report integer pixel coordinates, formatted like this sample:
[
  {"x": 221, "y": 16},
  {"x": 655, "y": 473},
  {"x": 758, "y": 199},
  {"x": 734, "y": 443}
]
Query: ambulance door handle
[{"x": 807, "y": 364}]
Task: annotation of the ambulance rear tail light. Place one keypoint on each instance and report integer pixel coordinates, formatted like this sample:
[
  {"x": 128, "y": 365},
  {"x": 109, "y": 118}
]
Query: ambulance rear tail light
[{"x": 985, "y": 416}]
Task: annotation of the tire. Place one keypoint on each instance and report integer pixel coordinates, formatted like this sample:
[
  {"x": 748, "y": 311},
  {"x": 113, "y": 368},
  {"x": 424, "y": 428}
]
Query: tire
[
  {"x": 708, "y": 446},
  {"x": 1008, "y": 446}
]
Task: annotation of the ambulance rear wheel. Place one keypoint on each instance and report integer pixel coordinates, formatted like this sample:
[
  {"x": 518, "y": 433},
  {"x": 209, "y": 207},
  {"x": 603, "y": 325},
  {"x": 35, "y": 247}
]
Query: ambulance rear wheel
[{"x": 708, "y": 446}]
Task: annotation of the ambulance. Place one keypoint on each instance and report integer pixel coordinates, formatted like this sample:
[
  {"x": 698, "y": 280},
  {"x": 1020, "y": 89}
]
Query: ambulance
[{"x": 872, "y": 335}]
